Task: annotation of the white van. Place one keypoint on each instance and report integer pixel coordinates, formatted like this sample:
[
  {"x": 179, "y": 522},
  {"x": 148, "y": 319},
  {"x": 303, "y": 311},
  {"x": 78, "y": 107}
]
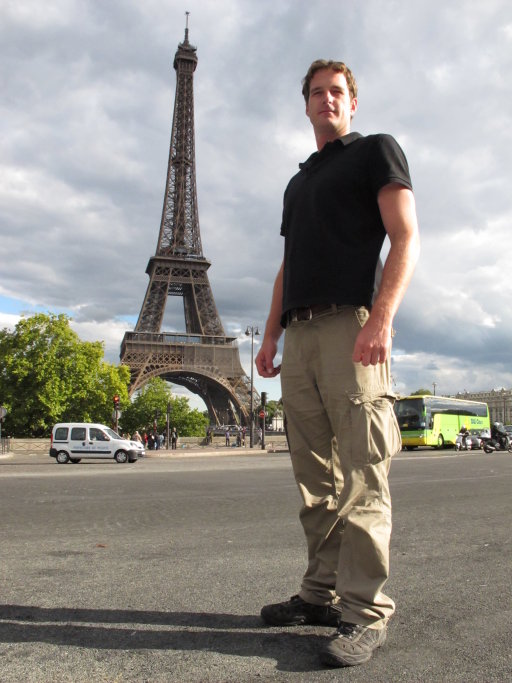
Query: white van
[{"x": 72, "y": 441}]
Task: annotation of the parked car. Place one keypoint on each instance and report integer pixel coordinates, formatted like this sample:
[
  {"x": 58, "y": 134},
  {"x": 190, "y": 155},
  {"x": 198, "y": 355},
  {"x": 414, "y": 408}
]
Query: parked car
[{"x": 72, "y": 441}]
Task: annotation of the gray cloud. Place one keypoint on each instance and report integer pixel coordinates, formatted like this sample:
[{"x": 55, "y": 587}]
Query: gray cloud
[{"x": 86, "y": 113}]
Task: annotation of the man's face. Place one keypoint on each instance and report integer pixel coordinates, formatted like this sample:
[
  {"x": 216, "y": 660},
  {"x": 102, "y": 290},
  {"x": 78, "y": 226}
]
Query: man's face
[{"x": 329, "y": 106}]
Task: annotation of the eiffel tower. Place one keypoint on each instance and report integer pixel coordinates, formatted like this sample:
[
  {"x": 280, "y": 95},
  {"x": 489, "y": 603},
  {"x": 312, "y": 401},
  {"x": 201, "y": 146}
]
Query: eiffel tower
[{"x": 202, "y": 359}]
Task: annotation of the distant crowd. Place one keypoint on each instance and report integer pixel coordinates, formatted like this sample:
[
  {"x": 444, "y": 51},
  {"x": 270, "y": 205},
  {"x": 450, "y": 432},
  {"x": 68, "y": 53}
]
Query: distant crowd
[
  {"x": 152, "y": 440},
  {"x": 237, "y": 434}
]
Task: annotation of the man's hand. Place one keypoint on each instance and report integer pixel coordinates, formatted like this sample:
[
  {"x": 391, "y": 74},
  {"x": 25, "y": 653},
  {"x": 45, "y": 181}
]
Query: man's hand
[
  {"x": 265, "y": 359},
  {"x": 373, "y": 343}
]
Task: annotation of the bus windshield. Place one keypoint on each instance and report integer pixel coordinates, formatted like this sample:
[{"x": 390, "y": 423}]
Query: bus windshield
[{"x": 410, "y": 413}]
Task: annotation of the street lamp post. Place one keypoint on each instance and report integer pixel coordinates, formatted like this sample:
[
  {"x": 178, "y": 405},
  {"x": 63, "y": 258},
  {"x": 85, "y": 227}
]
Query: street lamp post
[
  {"x": 168, "y": 422},
  {"x": 251, "y": 331}
]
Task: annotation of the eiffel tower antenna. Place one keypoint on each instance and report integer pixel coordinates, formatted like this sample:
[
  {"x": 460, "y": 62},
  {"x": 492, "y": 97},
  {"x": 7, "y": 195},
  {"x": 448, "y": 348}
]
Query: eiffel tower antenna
[{"x": 202, "y": 358}]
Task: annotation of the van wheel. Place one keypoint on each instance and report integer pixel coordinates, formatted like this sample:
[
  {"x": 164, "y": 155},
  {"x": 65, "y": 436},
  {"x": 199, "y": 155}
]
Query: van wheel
[
  {"x": 440, "y": 441},
  {"x": 121, "y": 456},
  {"x": 75, "y": 460},
  {"x": 62, "y": 457}
]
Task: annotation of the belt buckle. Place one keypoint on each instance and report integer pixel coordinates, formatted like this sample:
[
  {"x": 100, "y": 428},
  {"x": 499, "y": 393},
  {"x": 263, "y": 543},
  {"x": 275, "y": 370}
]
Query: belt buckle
[
  {"x": 304, "y": 314},
  {"x": 301, "y": 315}
]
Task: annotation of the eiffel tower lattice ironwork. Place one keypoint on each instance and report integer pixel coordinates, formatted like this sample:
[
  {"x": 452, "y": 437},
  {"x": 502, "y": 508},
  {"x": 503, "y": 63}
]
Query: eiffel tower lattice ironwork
[{"x": 203, "y": 358}]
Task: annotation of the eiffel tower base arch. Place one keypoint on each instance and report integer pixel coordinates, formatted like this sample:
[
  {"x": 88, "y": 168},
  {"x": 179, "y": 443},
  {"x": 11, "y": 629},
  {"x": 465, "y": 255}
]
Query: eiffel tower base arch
[{"x": 208, "y": 366}]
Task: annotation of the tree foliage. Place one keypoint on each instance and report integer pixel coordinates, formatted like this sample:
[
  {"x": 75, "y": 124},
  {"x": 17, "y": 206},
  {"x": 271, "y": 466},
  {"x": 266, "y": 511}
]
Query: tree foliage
[
  {"x": 421, "y": 392},
  {"x": 151, "y": 403},
  {"x": 48, "y": 375},
  {"x": 271, "y": 409}
]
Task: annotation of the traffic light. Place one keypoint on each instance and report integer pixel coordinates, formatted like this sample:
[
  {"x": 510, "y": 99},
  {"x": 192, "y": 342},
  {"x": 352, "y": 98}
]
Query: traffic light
[
  {"x": 263, "y": 398},
  {"x": 116, "y": 402}
]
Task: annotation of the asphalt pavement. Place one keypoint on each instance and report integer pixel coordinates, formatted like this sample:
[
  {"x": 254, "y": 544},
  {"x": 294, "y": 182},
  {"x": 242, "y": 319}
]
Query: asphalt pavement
[{"x": 156, "y": 571}]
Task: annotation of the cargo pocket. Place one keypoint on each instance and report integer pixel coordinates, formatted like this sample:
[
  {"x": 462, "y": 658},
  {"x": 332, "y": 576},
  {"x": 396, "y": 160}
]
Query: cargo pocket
[{"x": 375, "y": 434}]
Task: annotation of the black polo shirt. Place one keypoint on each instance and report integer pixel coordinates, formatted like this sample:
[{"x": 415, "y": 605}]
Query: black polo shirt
[{"x": 331, "y": 220}]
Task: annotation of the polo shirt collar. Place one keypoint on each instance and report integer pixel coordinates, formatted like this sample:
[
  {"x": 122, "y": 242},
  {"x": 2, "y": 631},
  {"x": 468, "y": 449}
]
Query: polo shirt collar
[
  {"x": 344, "y": 140},
  {"x": 348, "y": 138}
]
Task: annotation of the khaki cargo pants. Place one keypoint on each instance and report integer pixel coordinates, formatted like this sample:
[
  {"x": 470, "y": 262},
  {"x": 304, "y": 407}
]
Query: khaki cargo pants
[{"x": 342, "y": 433}]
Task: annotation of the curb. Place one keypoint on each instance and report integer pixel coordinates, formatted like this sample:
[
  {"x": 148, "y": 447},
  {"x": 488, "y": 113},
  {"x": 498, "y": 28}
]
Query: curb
[{"x": 191, "y": 453}]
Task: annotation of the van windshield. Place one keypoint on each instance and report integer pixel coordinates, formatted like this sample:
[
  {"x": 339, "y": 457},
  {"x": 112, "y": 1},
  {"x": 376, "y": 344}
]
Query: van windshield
[{"x": 112, "y": 434}]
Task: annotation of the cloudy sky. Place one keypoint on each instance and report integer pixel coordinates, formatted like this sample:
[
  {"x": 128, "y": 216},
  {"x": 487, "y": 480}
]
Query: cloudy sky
[{"x": 86, "y": 95}]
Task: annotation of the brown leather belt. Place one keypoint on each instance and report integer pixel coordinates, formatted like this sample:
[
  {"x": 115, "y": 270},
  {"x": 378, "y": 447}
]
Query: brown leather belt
[{"x": 310, "y": 312}]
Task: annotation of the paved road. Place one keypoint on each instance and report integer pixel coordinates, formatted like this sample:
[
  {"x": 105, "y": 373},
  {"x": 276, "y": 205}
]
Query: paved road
[{"x": 156, "y": 571}]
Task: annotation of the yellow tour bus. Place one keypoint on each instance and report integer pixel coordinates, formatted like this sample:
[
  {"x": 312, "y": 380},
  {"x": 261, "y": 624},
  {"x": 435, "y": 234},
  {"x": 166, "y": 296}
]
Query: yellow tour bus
[{"x": 436, "y": 420}]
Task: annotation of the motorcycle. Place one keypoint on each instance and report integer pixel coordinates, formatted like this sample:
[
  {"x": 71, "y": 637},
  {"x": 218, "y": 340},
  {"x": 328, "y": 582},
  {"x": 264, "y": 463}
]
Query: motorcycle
[
  {"x": 491, "y": 443},
  {"x": 463, "y": 442}
]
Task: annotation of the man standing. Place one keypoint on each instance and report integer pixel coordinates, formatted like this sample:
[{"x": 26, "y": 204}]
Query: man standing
[{"x": 335, "y": 372}]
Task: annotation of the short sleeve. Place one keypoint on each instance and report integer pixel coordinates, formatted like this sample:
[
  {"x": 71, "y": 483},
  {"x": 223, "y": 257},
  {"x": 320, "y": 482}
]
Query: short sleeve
[{"x": 387, "y": 163}]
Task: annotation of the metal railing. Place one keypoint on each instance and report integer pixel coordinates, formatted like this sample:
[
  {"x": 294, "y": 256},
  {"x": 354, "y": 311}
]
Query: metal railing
[{"x": 20, "y": 445}]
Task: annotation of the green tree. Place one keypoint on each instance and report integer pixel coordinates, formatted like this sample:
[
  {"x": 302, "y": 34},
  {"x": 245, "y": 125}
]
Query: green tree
[
  {"x": 188, "y": 421},
  {"x": 271, "y": 409},
  {"x": 420, "y": 392},
  {"x": 48, "y": 375},
  {"x": 152, "y": 401}
]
